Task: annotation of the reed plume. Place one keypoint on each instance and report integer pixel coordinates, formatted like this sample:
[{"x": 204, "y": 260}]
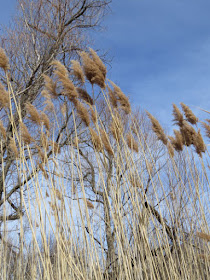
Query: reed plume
[
  {"x": 89, "y": 204},
  {"x": 122, "y": 98},
  {"x": 13, "y": 147},
  {"x": 98, "y": 62},
  {"x": 50, "y": 85},
  {"x": 58, "y": 194},
  {"x": 82, "y": 112},
  {"x": 156, "y": 127},
  {"x": 112, "y": 97},
  {"x": 106, "y": 142},
  {"x": 170, "y": 149},
  {"x": 4, "y": 97},
  {"x": 117, "y": 128},
  {"x": 84, "y": 95},
  {"x": 34, "y": 114},
  {"x": 95, "y": 140},
  {"x": 26, "y": 137},
  {"x": 3, "y": 130},
  {"x": 92, "y": 71},
  {"x": 40, "y": 165},
  {"x": 4, "y": 61},
  {"x": 62, "y": 74},
  {"x": 203, "y": 236},
  {"x": 45, "y": 120},
  {"x": 93, "y": 115},
  {"x": 178, "y": 117},
  {"x": 189, "y": 114},
  {"x": 131, "y": 142},
  {"x": 177, "y": 142},
  {"x": 77, "y": 71},
  {"x": 199, "y": 144},
  {"x": 188, "y": 133},
  {"x": 207, "y": 129}
]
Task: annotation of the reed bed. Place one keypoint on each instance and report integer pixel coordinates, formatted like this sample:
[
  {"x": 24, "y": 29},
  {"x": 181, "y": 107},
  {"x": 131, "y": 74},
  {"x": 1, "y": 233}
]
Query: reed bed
[{"x": 104, "y": 192}]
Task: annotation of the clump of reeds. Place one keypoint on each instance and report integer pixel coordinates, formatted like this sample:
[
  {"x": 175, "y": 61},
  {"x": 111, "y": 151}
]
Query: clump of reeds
[
  {"x": 4, "y": 61},
  {"x": 156, "y": 127},
  {"x": 77, "y": 71}
]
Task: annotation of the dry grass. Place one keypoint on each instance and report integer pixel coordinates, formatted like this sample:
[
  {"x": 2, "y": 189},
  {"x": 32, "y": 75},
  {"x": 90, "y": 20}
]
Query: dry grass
[{"x": 91, "y": 208}]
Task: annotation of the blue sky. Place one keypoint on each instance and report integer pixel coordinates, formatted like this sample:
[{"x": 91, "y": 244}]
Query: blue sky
[{"x": 160, "y": 51}]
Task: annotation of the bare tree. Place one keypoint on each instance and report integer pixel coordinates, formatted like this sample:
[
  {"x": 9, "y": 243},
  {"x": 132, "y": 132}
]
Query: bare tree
[{"x": 42, "y": 32}]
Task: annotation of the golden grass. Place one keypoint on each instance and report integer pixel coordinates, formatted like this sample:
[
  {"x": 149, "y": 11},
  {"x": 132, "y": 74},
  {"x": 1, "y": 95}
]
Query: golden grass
[{"x": 102, "y": 196}]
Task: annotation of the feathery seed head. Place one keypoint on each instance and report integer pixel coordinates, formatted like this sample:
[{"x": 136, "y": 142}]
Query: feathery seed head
[
  {"x": 4, "y": 97},
  {"x": 198, "y": 143},
  {"x": 89, "y": 204},
  {"x": 84, "y": 95},
  {"x": 92, "y": 71},
  {"x": 177, "y": 142},
  {"x": 112, "y": 97},
  {"x": 45, "y": 120},
  {"x": 122, "y": 98},
  {"x": 34, "y": 114},
  {"x": 178, "y": 117},
  {"x": 106, "y": 142},
  {"x": 207, "y": 129},
  {"x": 95, "y": 140},
  {"x": 26, "y": 137},
  {"x": 170, "y": 149},
  {"x": 189, "y": 114},
  {"x": 98, "y": 62},
  {"x": 131, "y": 142},
  {"x": 13, "y": 147},
  {"x": 93, "y": 115},
  {"x": 82, "y": 113},
  {"x": 156, "y": 127},
  {"x": 203, "y": 236},
  {"x": 3, "y": 130},
  {"x": 50, "y": 85},
  {"x": 4, "y": 61},
  {"x": 188, "y": 133},
  {"x": 77, "y": 71}
]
